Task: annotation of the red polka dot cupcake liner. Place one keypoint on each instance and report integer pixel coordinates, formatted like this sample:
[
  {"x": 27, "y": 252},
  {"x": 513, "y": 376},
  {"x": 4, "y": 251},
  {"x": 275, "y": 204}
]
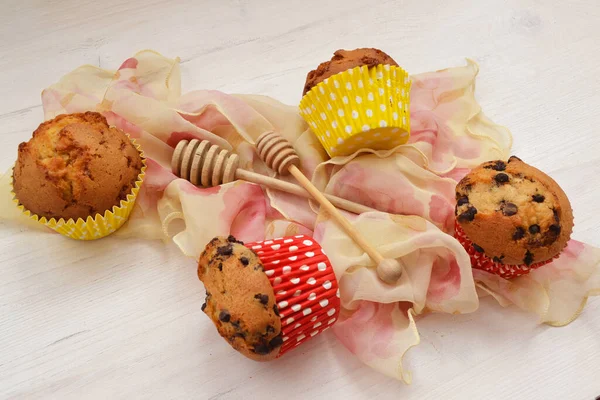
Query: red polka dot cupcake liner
[
  {"x": 483, "y": 262},
  {"x": 306, "y": 290}
]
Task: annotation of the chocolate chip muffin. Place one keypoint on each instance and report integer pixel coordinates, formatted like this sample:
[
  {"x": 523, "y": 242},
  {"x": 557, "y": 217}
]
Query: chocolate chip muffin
[
  {"x": 513, "y": 213},
  {"x": 344, "y": 60},
  {"x": 240, "y": 299},
  {"x": 75, "y": 166}
]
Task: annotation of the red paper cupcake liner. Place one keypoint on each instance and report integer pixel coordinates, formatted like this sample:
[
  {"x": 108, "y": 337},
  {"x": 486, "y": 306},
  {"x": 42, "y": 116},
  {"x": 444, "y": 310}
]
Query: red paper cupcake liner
[
  {"x": 306, "y": 290},
  {"x": 483, "y": 262}
]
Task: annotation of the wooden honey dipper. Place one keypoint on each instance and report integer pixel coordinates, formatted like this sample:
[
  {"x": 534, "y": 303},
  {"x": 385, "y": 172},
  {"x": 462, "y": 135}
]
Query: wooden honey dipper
[
  {"x": 207, "y": 165},
  {"x": 280, "y": 156}
]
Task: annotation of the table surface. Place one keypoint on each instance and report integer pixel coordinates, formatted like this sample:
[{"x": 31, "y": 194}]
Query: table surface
[{"x": 122, "y": 319}]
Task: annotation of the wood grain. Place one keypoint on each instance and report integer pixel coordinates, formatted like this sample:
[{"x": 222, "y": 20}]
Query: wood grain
[{"x": 122, "y": 319}]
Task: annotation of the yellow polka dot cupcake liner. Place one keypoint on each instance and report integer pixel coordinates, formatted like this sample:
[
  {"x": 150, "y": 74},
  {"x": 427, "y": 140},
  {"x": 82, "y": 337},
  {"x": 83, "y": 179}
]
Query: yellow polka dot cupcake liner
[
  {"x": 99, "y": 225},
  {"x": 360, "y": 108}
]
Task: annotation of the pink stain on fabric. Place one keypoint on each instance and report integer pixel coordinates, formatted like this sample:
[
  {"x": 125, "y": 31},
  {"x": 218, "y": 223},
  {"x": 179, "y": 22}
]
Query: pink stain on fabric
[
  {"x": 245, "y": 211},
  {"x": 466, "y": 147},
  {"x": 157, "y": 177},
  {"x": 441, "y": 212},
  {"x": 209, "y": 119},
  {"x": 116, "y": 120},
  {"x": 369, "y": 331},
  {"x": 377, "y": 189},
  {"x": 424, "y": 127},
  {"x": 457, "y": 174},
  {"x": 51, "y": 100},
  {"x": 574, "y": 249},
  {"x": 445, "y": 280},
  {"x": 129, "y": 63}
]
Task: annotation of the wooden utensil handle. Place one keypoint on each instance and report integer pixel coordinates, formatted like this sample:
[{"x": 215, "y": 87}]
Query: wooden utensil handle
[
  {"x": 297, "y": 190},
  {"x": 336, "y": 215}
]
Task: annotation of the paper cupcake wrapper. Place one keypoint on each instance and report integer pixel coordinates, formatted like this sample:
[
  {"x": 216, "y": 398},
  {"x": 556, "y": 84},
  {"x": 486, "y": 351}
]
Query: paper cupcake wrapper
[
  {"x": 360, "y": 108},
  {"x": 483, "y": 262},
  {"x": 96, "y": 226},
  {"x": 306, "y": 290}
]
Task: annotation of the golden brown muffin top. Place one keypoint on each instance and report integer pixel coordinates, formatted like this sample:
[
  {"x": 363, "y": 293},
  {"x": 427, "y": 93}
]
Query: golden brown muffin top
[
  {"x": 75, "y": 166},
  {"x": 513, "y": 212},
  {"x": 240, "y": 299},
  {"x": 344, "y": 60}
]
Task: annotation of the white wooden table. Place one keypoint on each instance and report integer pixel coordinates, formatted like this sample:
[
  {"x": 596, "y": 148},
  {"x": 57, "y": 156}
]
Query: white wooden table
[{"x": 117, "y": 319}]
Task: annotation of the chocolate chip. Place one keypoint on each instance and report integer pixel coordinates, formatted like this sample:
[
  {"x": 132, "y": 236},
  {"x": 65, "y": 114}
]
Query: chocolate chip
[
  {"x": 225, "y": 250},
  {"x": 240, "y": 335},
  {"x": 262, "y": 348},
  {"x": 468, "y": 215},
  {"x": 203, "y": 306},
  {"x": 224, "y": 316},
  {"x": 477, "y": 248},
  {"x": 556, "y": 217},
  {"x": 498, "y": 259},
  {"x": 258, "y": 267},
  {"x": 276, "y": 341},
  {"x": 528, "y": 258},
  {"x": 533, "y": 229},
  {"x": 236, "y": 324},
  {"x": 501, "y": 178},
  {"x": 513, "y": 158},
  {"x": 244, "y": 261},
  {"x": 263, "y": 298},
  {"x": 270, "y": 329},
  {"x": 519, "y": 233},
  {"x": 220, "y": 266},
  {"x": 232, "y": 239},
  {"x": 538, "y": 198},
  {"x": 509, "y": 209},
  {"x": 275, "y": 309},
  {"x": 554, "y": 229},
  {"x": 462, "y": 201},
  {"x": 496, "y": 165}
]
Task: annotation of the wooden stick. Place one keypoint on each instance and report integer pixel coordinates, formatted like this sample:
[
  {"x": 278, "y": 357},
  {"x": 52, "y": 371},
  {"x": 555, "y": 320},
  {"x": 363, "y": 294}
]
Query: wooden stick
[
  {"x": 277, "y": 184},
  {"x": 336, "y": 215}
]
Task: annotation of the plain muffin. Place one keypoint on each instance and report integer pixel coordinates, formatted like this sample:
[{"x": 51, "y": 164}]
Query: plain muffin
[{"x": 75, "y": 166}]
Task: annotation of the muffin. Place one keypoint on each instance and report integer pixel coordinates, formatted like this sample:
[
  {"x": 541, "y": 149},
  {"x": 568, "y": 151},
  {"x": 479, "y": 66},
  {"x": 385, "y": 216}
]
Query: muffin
[
  {"x": 268, "y": 297},
  {"x": 511, "y": 217},
  {"x": 358, "y": 99},
  {"x": 75, "y": 167},
  {"x": 344, "y": 60}
]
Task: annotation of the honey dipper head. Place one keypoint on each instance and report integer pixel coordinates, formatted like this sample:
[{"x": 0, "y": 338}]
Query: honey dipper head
[
  {"x": 277, "y": 152},
  {"x": 204, "y": 164}
]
